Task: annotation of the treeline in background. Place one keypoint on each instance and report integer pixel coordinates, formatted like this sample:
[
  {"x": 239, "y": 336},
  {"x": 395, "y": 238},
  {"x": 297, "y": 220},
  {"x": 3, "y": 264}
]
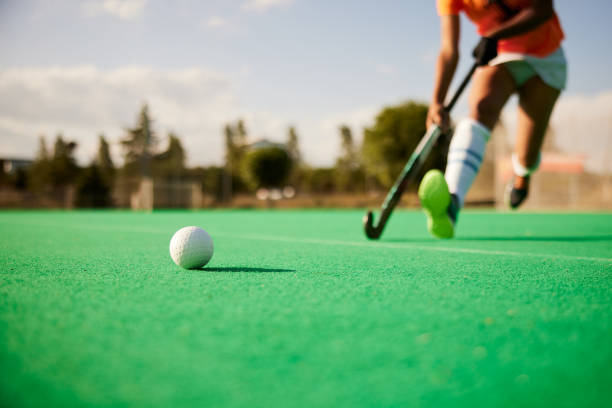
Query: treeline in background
[
  {"x": 261, "y": 173},
  {"x": 255, "y": 172}
]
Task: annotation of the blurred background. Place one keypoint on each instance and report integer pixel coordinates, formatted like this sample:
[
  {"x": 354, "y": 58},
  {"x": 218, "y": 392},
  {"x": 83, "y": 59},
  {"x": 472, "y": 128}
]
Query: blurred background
[{"x": 264, "y": 103}]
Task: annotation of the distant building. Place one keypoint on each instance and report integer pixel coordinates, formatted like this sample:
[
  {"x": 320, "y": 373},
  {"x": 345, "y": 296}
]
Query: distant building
[{"x": 12, "y": 165}]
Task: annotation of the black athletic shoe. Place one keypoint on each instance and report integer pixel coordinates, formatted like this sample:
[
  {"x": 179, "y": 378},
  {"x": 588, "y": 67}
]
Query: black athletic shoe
[{"x": 516, "y": 196}]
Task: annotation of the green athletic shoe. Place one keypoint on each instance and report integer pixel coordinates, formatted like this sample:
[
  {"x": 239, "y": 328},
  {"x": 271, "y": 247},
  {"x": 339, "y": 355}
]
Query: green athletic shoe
[{"x": 440, "y": 206}]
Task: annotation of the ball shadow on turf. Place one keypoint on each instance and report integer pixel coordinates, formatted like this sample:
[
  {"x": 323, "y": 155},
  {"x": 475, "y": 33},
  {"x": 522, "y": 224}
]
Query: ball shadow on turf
[{"x": 244, "y": 269}]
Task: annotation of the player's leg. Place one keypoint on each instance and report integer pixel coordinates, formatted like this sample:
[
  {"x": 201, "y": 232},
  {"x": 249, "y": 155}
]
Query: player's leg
[
  {"x": 442, "y": 195},
  {"x": 536, "y": 103},
  {"x": 491, "y": 89}
]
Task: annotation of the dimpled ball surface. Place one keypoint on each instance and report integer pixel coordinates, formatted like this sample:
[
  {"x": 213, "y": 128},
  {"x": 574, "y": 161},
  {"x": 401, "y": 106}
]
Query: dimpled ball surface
[{"x": 191, "y": 247}]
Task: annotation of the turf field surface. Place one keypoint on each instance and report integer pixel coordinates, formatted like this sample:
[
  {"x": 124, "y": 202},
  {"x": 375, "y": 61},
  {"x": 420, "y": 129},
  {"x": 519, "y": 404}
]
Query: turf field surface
[{"x": 296, "y": 308}]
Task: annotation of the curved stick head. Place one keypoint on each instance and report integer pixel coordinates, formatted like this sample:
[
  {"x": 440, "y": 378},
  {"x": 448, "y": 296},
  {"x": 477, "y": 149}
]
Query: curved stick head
[{"x": 368, "y": 224}]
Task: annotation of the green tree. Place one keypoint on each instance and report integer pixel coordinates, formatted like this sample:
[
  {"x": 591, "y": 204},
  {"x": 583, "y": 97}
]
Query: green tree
[
  {"x": 235, "y": 145},
  {"x": 39, "y": 173},
  {"x": 348, "y": 171},
  {"x": 20, "y": 179},
  {"x": 139, "y": 145},
  {"x": 235, "y": 148},
  {"x": 267, "y": 167},
  {"x": 293, "y": 147},
  {"x": 298, "y": 172},
  {"x": 211, "y": 179},
  {"x": 43, "y": 152},
  {"x": 92, "y": 188},
  {"x": 4, "y": 177},
  {"x": 170, "y": 164},
  {"x": 389, "y": 143},
  {"x": 104, "y": 161},
  {"x": 320, "y": 180},
  {"x": 63, "y": 168}
]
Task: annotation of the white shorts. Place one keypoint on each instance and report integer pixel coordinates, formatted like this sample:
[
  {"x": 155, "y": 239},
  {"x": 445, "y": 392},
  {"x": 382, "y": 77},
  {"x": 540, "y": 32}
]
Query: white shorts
[{"x": 552, "y": 69}]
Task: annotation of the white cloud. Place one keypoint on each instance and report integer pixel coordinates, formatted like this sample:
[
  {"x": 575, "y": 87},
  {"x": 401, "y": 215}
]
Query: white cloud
[
  {"x": 122, "y": 9},
  {"x": 261, "y": 6},
  {"x": 320, "y": 137},
  {"x": 81, "y": 102},
  {"x": 217, "y": 22}
]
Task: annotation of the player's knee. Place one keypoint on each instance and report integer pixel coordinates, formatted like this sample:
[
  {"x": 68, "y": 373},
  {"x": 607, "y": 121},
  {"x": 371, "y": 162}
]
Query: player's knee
[
  {"x": 485, "y": 112},
  {"x": 468, "y": 129}
]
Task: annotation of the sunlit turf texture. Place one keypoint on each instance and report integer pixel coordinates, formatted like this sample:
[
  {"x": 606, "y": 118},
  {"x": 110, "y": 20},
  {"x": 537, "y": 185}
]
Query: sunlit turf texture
[{"x": 298, "y": 309}]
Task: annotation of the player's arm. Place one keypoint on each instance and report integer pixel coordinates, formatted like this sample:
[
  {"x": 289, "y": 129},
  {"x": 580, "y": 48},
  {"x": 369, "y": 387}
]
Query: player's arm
[
  {"x": 525, "y": 20},
  {"x": 446, "y": 64}
]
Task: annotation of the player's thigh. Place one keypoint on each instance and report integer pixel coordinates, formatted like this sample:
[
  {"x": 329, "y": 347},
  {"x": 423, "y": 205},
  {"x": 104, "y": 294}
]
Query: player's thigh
[{"x": 492, "y": 87}]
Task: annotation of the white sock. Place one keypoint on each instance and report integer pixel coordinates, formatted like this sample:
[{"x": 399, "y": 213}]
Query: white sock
[
  {"x": 523, "y": 171},
  {"x": 465, "y": 156}
]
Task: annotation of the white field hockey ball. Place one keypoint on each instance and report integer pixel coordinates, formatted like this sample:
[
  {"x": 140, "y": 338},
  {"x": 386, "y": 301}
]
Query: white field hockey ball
[{"x": 191, "y": 247}]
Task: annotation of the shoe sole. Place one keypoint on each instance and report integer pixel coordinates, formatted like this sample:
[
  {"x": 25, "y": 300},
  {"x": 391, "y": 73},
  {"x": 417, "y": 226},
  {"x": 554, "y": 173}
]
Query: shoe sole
[{"x": 435, "y": 199}]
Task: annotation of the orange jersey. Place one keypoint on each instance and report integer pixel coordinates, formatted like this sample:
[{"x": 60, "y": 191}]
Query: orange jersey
[{"x": 540, "y": 41}]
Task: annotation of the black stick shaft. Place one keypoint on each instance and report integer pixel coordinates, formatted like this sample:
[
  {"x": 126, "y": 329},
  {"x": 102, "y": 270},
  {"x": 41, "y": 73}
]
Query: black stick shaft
[{"x": 459, "y": 90}]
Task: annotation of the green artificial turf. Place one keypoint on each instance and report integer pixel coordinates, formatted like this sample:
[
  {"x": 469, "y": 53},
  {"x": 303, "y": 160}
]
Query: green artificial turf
[{"x": 297, "y": 309}]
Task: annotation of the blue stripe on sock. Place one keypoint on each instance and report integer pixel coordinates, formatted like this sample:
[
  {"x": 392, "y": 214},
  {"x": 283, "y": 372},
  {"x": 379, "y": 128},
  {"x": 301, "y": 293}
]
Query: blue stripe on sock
[
  {"x": 468, "y": 151},
  {"x": 467, "y": 163}
]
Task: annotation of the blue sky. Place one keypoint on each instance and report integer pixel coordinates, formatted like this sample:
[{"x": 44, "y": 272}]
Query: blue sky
[{"x": 310, "y": 63}]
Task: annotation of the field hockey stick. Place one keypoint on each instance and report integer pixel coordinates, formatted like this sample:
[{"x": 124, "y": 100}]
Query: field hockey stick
[{"x": 411, "y": 169}]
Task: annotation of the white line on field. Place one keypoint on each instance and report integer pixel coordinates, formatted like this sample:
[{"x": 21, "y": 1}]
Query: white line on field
[
  {"x": 314, "y": 241},
  {"x": 389, "y": 245}
]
